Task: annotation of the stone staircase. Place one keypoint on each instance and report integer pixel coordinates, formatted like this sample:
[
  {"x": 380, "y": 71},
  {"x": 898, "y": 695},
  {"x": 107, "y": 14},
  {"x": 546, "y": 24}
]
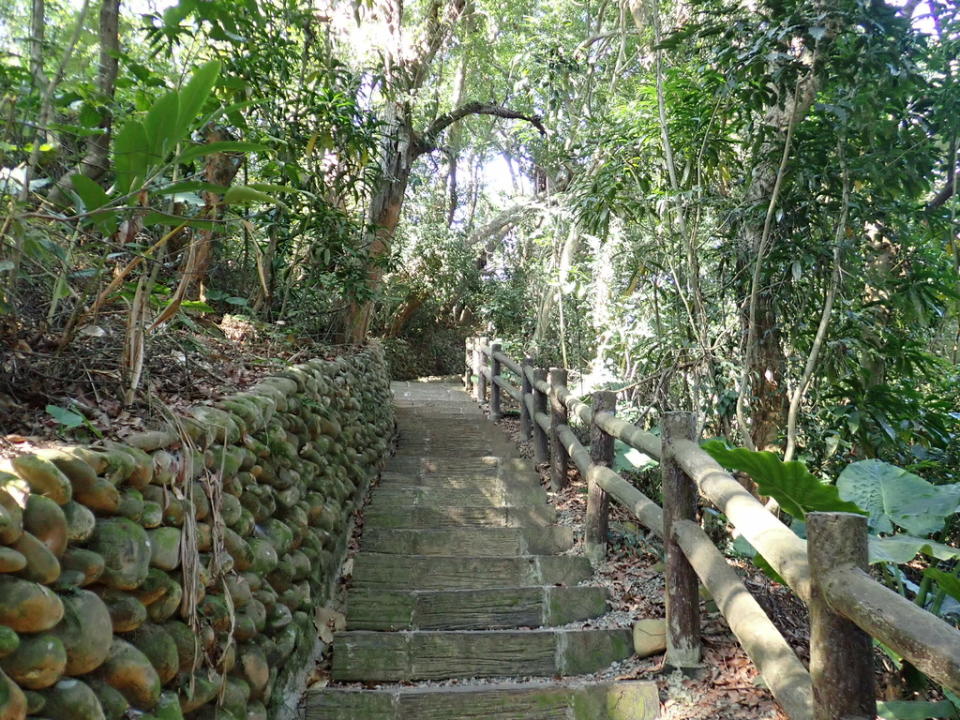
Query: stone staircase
[{"x": 461, "y": 591}]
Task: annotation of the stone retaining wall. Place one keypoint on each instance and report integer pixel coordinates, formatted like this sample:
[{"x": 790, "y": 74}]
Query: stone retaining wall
[{"x": 177, "y": 574}]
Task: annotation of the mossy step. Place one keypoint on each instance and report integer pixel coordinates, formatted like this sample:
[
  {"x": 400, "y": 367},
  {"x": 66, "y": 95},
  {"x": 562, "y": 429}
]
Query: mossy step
[
  {"x": 377, "y": 609},
  {"x": 470, "y": 541},
  {"x": 440, "y": 655},
  {"x": 376, "y": 570},
  {"x": 462, "y": 466},
  {"x": 634, "y": 700},
  {"x": 470, "y": 446},
  {"x": 386, "y": 515},
  {"x": 494, "y": 494},
  {"x": 452, "y": 438}
]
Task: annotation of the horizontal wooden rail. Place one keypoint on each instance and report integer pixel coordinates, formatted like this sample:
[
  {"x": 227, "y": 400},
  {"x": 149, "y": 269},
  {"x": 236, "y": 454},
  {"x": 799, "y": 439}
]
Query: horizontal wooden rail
[
  {"x": 619, "y": 428},
  {"x": 543, "y": 420},
  {"x": 779, "y": 545},
  {"x": 929, "y": 643},
  {"x": 511, "y": 390},
  {"x": 510, "y": 364},
  {"x": 783, "y": 672},
  {"x": 779, "y": 666},
  {"x": 646, "y": 510}
]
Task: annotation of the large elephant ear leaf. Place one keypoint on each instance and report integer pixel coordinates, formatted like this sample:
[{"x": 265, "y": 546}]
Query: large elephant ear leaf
[
  {"x": 900, "y": 549},
  {"x": 789, "y": 483},
  {"x": 894, "y": 496}
]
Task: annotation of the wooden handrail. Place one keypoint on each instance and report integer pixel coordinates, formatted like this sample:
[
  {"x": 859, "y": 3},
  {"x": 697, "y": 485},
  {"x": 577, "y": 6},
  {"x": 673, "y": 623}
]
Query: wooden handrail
[
  {"x": 779, "y": 666},
  {"x": 783, "y": 672},
  {"x": 543, "y": 420},
  {"x": 646, "y": 510},
  {"x": 778, "y": 544},
  {"x": 929, "y": 643},
  {"x": 511, "y": 390},
  {"x": 513, "y": 366},
  {"x": 619, "y": 428}
]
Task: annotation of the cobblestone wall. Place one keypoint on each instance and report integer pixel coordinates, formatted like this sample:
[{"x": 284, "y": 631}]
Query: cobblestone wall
[{"x": 178, "y": 573}]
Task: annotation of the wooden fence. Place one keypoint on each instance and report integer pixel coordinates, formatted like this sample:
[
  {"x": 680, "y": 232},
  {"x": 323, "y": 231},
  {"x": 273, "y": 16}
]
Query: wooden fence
[{"x": 828, "y": 571}]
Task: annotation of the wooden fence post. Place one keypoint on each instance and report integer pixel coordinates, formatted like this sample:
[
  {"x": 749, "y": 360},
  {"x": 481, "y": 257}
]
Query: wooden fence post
[
  {"x": 527, "y": 389},
  {"x": 558, "y": 416},
  {"x": 598, "y": 504},
  {"x": 540, "y": 450},
  {"x": 841, "y": 654},
  {"x": 682, "y": 586},
  {"x": 481, "y": 389},
  {"x": 468, "y": 365},
  {"x": 495, "y": 413}
]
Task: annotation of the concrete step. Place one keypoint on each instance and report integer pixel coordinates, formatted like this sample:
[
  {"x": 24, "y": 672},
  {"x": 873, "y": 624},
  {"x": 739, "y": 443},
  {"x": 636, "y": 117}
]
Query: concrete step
[
  {"x": 440, "y": 655},
  {"x": 385, "y": 515},
  {"x": 469, "y": 541},
  {"x": 458, "y": 494},
  {"x": 635, "y": 700},
  {"x": 414, "y": 572},
  {"x": 452, "y": 438},
  {"x": 377, "y": 609},
  {"x": 426, "y": 469}
]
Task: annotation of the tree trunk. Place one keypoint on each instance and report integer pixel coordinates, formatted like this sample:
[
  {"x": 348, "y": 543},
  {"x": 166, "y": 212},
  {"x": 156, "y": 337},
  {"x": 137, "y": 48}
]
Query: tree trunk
[
  {"x": 37, "y": 27},
  {"x": 96, "y": 161},
  {"x": 454, "y": 143},
  {"x": 398, "y": 151},
  {"x": 406, "y": 310},
  {"x": 219, "y": 169},
  {"x": 553, "y": 293},
  {"x": 762, "y": 381},
  {"x": 766, "y": 364}
]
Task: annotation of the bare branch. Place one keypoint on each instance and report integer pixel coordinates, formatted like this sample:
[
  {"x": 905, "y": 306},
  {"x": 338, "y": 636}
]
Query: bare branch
[
  {"x": 946, "y": 192},
  {"x": 427, "y": 142}
]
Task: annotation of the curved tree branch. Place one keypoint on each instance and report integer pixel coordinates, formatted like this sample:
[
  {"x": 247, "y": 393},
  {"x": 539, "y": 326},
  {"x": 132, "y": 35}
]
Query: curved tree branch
[
  {"x": 427, "y": 142},
  {"x": 946, "y": 192}
]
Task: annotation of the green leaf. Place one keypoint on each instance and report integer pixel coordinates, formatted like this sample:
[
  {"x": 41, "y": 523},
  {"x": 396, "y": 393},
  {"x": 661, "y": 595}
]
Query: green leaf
[
  {"x": 915, "y": 710},
  {"x": 242, "y": 194},
  {"x": 950, "y": 584},
  {"x": 161, "y": 125},
  {"x": 89, "y": 192},
  {"x": 901, "y": 549},
  {"x": 894, "y": 496},
  {"x": 742, "y": 547},
  {"x": 93, "y": 197},
  {"x": 789, "y": 483},
  {"x": 761, "y": 562},
  {"x": 628, "y": 458},
  {"x": 67, "y": 418},
  {"x": 131, "y": 153},
  {"x": 194, "y": 94},
  {"x": 190, "y": 186},
  {"x": 953, "y": 698},
  {"x": 196, "y": 151},
  {"x": 159, "y": 218},
  {"x": 196, "y": 306},
  {"x": 234, "y": 300}
]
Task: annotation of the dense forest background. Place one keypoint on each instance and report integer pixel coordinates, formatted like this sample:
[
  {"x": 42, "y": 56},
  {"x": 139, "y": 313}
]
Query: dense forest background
[{"x": 746, "y": 209}]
